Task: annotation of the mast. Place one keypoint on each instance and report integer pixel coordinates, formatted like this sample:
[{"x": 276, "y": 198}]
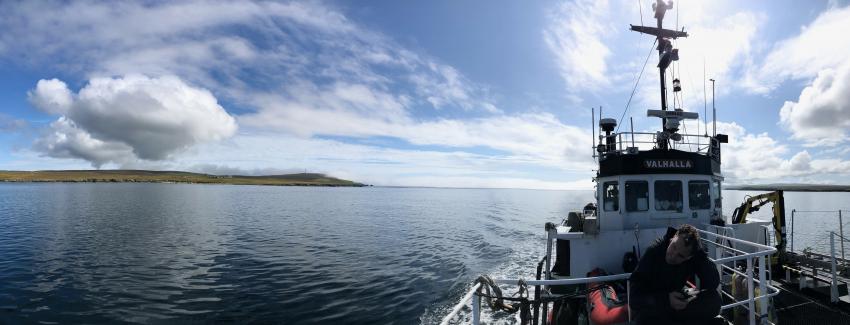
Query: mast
[{"x": 666, "y": 55}]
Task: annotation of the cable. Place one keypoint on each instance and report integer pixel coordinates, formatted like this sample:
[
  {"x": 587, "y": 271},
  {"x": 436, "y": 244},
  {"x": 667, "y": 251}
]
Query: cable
[
  {"x": 641, "y": 12},
  {"x": 637, "y": 82}
]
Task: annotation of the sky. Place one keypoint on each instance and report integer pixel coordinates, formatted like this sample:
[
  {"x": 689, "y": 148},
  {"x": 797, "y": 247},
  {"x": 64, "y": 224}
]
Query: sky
[{"x": 429, "y": 93}]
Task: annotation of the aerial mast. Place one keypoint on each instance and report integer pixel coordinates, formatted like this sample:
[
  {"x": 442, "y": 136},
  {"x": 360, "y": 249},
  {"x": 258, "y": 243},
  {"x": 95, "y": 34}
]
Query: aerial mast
[{"x": 666, "y": 55}]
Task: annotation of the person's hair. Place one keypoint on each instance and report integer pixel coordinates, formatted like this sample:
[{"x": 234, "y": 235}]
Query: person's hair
[{"x": 690, "y": 236}]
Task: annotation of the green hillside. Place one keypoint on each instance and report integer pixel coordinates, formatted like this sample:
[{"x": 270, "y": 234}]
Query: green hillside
[{"x": 151, "y": 176}]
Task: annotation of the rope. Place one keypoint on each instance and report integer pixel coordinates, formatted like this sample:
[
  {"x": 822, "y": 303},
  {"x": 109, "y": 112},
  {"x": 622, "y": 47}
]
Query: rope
[
  {"x": 636, "y": 85},
  {"x": 496, "y": 300},
  {"x": 494, "y": 295}
]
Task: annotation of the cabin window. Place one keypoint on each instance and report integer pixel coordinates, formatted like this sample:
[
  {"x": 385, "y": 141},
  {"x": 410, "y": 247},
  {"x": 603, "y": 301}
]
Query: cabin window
[
  {"x": 718, "y": 202},
  {"x": 610, "y": 196},
  {"x": 698, "y": 198},
  {"x": 637, "y": 196},
  {"x": 668, "y": 195}
]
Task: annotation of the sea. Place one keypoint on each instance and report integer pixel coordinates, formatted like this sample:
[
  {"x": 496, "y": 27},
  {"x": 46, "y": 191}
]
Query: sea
[{"x": 183, "y": 253}]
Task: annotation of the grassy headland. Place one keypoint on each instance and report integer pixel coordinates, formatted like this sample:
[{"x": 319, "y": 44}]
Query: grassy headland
[{"x": 152, "y": 176}]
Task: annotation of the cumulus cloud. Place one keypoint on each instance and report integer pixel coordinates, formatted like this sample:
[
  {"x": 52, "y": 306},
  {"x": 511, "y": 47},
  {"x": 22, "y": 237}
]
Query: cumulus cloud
[
  {"x": 65, "y": 140},
  {"x": 758, "y": 157},
  {"x": 821, "y": 115},
  {"x": 802, "y": 161},
  {"x": 135, "y": 117},
  {"x": 51, "y": 96}
]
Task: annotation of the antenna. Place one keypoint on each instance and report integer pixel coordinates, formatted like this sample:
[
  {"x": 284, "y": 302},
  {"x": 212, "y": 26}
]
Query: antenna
[
  {"x": 713, "y": 111},
  {"x": 593, "y": 129},
  {"x": 704, "y": 99}
]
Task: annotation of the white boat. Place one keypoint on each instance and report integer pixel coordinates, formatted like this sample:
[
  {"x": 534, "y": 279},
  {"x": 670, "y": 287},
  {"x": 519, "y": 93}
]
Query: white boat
[{"x": 645, "y": 183}]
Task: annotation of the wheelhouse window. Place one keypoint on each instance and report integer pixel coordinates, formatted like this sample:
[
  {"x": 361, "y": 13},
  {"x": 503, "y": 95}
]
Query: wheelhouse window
[
  {"x": 698, "y": 198},
  {"x": 637, "y": 196},
  {"x": 668, "y": 195},
  {"x": 610, "y": 196},
  {"x": 718, "y": 200}
]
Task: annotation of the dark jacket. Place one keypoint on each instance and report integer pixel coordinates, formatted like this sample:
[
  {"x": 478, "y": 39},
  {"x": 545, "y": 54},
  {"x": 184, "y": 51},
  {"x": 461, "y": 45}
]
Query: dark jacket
[{"x": 654, "y": 279}]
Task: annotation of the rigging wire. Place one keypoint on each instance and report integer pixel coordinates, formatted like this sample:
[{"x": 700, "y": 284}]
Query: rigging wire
[
  {"x": 677, "y": 15},
  {"x": 691, "y": 77},
  {"x": 637, "y": 82},
  {"x": 704, "y": 99},
  {"x": 641, "y": 12}
]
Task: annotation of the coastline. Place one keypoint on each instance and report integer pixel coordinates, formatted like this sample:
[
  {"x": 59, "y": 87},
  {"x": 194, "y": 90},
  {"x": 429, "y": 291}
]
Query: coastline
[{"x": 151, "y": 176}]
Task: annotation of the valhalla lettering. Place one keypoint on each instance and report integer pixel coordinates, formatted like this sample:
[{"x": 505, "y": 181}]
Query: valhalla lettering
[{"x": 668, "y": 164}]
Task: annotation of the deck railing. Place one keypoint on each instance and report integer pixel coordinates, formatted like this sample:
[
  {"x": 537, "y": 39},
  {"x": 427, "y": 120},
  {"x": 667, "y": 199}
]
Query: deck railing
[
  {"x": 833, "y": 285},
  {"x": 645, "y": 140},
  {"x": 756, "y": 316}
]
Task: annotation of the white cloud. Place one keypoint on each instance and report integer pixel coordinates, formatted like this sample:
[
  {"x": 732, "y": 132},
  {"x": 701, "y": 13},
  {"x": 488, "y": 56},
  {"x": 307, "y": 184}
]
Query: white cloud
[
  {"x": 233, "y": 48},
  {"x": 724, "y": 45},
  {"x": 818, "y": 46},
  {"x": 821, "y": 116},
  {"x": 66, "y": 140},
  {"x": 754, "y": 158},
  {"x": 51, "y": 96},
  {"x": 377, "y": 165},
  {"x": 575, "y": 38},
  {"x": 123, "y": 119},
  {"x": 538, "y": 136}
]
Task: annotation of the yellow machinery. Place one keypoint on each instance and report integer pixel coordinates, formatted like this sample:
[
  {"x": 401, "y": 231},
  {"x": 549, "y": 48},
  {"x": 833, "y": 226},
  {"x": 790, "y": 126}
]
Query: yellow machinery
[{"x": 754, "y": 203}]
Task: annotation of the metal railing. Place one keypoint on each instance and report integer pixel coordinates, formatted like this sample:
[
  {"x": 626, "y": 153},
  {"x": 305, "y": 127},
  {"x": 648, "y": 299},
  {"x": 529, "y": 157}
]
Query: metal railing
[
  {"x": 794, "y": 212},
  {"x": 833, "y": 285},
  {"x": 645, "y": 140},
  {"x": 766, "y": 291},
  {"x": 761, "y": 254}
]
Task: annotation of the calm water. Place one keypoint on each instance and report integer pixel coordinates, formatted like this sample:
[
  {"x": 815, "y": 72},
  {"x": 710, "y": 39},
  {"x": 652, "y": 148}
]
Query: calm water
[{"x": 170, "y": 253}]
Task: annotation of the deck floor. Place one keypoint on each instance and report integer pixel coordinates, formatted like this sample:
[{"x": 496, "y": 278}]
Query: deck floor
[{"x": 806, "y": 307}]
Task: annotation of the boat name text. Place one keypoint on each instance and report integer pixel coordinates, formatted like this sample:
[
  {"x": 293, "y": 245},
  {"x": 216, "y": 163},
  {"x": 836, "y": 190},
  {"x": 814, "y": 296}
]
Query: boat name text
[{"x": 668, "y": 163}]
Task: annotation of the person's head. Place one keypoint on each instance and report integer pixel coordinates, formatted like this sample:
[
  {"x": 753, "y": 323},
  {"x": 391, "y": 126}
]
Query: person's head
[{"x": 683, "y": 245}]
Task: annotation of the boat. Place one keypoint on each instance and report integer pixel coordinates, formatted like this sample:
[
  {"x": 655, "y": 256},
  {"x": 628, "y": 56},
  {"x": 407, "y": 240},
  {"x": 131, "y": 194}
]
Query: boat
[{"x": 646, "y": 183}]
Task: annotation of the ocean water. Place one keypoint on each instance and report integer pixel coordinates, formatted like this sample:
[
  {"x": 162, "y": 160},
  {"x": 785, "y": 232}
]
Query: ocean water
[{"x": 178, "y": 253}]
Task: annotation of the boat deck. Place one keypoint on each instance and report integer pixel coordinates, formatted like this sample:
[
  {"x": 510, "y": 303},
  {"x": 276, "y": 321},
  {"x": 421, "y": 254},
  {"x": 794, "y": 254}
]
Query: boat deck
[{"x": 795, "y": 306}]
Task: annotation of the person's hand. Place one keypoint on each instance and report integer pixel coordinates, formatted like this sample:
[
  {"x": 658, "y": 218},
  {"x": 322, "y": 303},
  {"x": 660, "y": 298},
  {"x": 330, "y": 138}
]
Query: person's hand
[{"x": 678, "y": 300}]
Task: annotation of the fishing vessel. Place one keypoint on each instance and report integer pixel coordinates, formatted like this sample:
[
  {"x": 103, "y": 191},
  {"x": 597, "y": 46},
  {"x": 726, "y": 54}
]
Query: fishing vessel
[{"x": 646, "y": 183}]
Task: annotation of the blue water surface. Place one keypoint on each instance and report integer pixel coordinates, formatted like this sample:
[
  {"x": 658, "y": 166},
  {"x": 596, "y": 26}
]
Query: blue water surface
[{"x": 181, "y": 253}]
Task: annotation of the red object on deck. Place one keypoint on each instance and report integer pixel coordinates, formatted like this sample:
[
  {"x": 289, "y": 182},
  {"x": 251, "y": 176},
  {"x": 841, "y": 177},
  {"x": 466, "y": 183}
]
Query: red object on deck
[{"x": 604, "y": 309}]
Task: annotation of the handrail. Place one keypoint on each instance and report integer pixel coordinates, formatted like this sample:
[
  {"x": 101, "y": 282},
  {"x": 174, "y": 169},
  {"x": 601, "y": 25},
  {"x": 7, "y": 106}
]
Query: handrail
[
  {"x": 767, "y": 291},
  {"x": 571, "y": 281},
  {"x": 647, "y": 138},
  {"x": 460, "y": 305}
]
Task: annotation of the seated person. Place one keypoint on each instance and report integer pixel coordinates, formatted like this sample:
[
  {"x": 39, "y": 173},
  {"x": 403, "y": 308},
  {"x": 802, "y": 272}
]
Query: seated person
[{"x": 658, "y": 282}]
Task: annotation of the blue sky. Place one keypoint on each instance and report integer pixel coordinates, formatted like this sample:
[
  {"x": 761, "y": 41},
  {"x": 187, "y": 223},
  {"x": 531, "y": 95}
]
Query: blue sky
[{"x": 430, "y": 93}]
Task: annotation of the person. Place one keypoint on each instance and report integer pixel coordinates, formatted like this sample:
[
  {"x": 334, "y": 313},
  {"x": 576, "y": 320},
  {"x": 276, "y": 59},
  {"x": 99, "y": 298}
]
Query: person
[{"x": 658, "y": 284}]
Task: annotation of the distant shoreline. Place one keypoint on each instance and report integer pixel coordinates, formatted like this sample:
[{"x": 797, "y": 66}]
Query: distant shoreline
[{"x": 153, "y": 176}]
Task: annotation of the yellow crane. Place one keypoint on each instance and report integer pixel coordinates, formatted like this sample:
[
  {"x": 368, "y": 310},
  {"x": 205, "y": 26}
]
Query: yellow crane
[{"x": 754, "y": 203}]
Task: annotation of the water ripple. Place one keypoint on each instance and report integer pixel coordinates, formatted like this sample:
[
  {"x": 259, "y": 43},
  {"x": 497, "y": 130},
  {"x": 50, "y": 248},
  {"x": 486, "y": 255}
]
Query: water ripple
[{"x": 173, "y": 253}]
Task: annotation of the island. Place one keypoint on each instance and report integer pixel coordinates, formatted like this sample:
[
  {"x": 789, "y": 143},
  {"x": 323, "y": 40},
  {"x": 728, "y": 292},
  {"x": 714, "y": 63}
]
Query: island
[
  {"x": 155, "y": 176},
  {"x": 790, "y": 187}
]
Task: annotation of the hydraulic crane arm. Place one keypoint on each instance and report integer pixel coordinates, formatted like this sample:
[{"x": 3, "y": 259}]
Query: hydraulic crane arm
[{"x": 753, "y": 203}]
